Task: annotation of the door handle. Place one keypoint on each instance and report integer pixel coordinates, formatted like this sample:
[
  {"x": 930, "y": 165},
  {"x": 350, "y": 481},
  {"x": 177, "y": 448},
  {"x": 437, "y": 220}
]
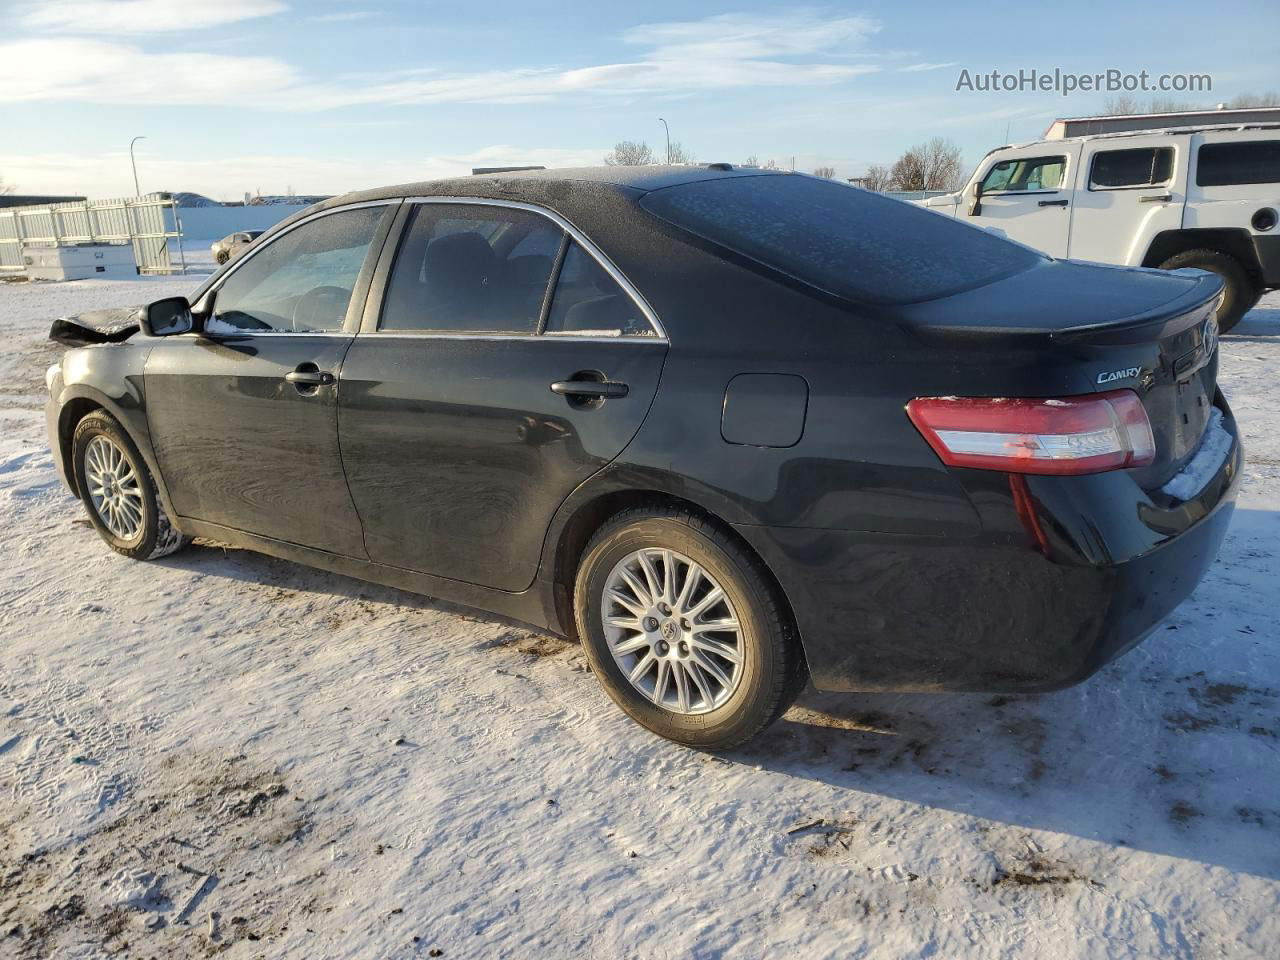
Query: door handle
[
  {"x": 1053, "y": 203},
  {"x": 1159, "y": 198},
  {"x": 590, "y": 389},
  {"x": 309, "y": 378}
]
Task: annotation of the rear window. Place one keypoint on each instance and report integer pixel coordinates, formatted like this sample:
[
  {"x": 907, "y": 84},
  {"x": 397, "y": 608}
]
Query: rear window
[
  {"x": 853, "y": 243},
  {"x": 1220, "y": 164}
]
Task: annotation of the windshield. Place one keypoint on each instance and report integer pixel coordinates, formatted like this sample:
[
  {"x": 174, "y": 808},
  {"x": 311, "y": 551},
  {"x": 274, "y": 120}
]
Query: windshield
[{"x": 854, "y": 243}]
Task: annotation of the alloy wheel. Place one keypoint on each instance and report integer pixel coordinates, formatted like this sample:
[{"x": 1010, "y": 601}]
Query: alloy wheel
[
  {"x": 114, "y": 490},
  {"x": 672, "y": 631}
]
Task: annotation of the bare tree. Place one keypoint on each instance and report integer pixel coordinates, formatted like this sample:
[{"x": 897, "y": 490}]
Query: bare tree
[
  {"x": 751, "y": 161},
  {"x": 681, "y": 155},
  {"x": 5, "y": 189},
  {"x": 1121, "y": 106},
  {"x": 828, "y": 172},
  {"x": 1168, "y": 105},
  {"x": 771, "y": 164},
  {"x": 628, "y": 153},
  {"x": 1247, "y": 100},
  {"x": 877, "y": 178},
  {"x": 928, "y": 166}
]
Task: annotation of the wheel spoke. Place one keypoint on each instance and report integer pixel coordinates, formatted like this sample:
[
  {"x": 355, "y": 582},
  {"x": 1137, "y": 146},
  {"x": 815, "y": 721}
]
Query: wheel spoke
[
  {"x": 708, "y": 665},
  {"x": 728, "y": 625},
  {"x": 623, "y": 623},
  {"x": 623, "y": 600},
  {"x": 637, "y": 642},
  {"x": 644, "y": 666},
  {"x": 660, "y": 684},
  {"x": 682, "y": 687},
  {"x": 668, "y": 577},
  {"x": 692, "y": 574},
  {"x": 717, "y": 647},
  {"x": 696, "y": 675},
  {"x": 651, "y": 576},
  {"x": 642, "y": 594},
  {"x": 714, "y": 596}
]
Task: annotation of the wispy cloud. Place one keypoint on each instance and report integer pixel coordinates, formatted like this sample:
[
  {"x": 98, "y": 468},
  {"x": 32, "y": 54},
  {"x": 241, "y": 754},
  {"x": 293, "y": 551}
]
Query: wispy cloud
[
  {"x": 343, "y": 16},
  {"x": 96, "y": 17},
  {"x": 792, "y": 50},
  {"x": 922, "y": 67}
]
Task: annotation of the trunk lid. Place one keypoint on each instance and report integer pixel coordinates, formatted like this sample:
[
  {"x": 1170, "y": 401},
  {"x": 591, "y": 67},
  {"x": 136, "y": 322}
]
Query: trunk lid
[{"x": 1072, "y": 328}]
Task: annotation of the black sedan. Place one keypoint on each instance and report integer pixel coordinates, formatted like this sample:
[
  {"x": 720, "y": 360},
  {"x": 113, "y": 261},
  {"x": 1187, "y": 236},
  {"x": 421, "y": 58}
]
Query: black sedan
[{"x": 730, "y": 428}]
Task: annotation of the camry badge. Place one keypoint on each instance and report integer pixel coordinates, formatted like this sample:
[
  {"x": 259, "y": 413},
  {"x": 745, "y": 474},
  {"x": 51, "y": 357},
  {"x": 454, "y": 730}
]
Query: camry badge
[{"x": 1114, "y": 375}]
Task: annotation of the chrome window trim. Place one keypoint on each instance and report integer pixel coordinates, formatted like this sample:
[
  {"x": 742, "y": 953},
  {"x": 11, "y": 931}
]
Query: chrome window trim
[
  {"x": 242, "y": 260},
  {"x": 583, "y": 241},
  {"x": 531, "y": 337}
]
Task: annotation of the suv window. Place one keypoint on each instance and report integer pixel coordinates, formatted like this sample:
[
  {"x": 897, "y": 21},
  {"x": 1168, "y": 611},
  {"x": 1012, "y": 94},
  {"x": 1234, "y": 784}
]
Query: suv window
[
  {"x": 471, "y": 269},
  {"x": 1253, "y": 161},
  {"x": 1141, "y": 167},
  {"x": 852, "y": 243},
  {"x": 302, "y": 281},
  {"x": 589, "y": 301},
  {"x": 1025, "y": 174}
]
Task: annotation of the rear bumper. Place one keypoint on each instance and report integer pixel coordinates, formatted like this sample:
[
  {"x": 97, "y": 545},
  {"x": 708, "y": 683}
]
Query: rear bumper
[{"x": 1026, "y": 606}]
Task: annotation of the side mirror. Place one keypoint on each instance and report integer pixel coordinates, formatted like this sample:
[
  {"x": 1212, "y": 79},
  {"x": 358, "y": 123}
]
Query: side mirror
[
  {"x": 168, "y": 317},
  {"x": 975, "y": 205}
]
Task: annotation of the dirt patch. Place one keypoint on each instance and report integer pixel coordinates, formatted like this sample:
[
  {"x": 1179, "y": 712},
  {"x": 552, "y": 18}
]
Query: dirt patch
[
  {"x": 532, "y": 644},
  {"x": 1039, "y": 872},
  {"x": 1182, "y": 813}
]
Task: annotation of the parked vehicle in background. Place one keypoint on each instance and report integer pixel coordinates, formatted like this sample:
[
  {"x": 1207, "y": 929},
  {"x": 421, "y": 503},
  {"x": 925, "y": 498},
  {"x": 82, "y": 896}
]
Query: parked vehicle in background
[
  {"x": 1181, "y": 197},
  {"x": 605, "y": 402},
  {"x": 233, "y": 244}
]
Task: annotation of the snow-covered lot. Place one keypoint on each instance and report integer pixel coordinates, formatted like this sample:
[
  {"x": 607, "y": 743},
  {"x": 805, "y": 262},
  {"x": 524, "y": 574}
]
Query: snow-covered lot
[{"x": 225, "y": 752}]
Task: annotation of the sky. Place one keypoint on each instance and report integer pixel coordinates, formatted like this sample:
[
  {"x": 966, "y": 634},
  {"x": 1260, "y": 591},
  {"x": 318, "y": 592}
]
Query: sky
[{"x": 237, "y": 96}]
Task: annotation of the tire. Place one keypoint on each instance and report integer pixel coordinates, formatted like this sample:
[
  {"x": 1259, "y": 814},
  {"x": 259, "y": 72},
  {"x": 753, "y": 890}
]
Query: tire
[
  {"x": 99, "y": 438},
  {"x": 770, "y": 670},
  {"x": 222, "y": 257},
  {"x": 1242, "y": 293}
]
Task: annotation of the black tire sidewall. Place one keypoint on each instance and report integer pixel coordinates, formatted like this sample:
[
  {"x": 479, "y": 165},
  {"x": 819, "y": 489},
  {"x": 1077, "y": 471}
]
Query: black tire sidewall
[
  {"x": 1240, "y": 292},
  {"x": 752, "y": 703},
  {"x": 102, "y": 424}
]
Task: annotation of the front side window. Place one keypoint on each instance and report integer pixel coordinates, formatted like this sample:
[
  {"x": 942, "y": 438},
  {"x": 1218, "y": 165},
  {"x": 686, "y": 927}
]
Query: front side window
[
  {"x": 1223, "y": 164},
  {"x": 1142, "y": 167},
  {"x": 471, "y": 269},
  {"x": 301, "y": 282},
  {"x": 1024, "y": 175},
  {"x": 589, "y": 302}
]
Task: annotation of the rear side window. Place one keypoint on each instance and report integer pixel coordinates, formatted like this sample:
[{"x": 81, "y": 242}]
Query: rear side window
[
  {"x": 853, "y": 243},
  {"x": 589, "y": 302},
  {"x": 1024, "y": 175},
  {"x": 1256, "y": 161},
  {"x": 1142, "y": 167},
  {"x": 471, "y": 270}
]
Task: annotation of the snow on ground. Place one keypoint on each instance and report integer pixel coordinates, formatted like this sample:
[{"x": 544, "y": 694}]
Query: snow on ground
[{"x": 225, "y": 752}]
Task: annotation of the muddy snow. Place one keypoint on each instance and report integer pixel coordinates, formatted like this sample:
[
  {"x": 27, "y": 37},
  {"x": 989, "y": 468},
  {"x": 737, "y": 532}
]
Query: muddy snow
[{"x": 225, "y": 753}]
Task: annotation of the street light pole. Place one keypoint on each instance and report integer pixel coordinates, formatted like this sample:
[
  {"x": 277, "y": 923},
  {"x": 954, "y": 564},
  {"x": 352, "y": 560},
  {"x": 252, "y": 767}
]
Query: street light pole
[
  {"x": 668, "y": 129},
  {"x": 134, "y": 163}
]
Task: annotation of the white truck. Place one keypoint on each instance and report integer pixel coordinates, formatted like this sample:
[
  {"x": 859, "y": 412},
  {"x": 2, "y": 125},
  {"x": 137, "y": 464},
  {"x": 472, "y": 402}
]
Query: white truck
[{"x": 1194, "y": 196}]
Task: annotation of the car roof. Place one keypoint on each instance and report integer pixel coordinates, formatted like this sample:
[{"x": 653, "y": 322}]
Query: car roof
[{"x": 636, "y": 179}]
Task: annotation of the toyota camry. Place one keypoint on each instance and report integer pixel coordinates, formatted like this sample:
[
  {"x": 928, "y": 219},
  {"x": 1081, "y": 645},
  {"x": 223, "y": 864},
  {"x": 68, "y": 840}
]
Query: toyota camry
[{"x": 732, "y": 429}]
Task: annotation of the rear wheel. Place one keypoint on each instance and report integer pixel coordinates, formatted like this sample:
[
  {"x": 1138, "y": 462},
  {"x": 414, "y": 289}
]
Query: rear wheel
[
  {"x": 118, "y": 492},
  {"x": 685, "y": 630},
  {"x": 222, "y": 257},
  {"x": 1241, "y": 292}
]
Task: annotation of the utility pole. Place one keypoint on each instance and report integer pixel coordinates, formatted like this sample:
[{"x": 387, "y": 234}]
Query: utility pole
[
  {"x": 134, "y": 163},
  {"x": 668, "y": 129}
]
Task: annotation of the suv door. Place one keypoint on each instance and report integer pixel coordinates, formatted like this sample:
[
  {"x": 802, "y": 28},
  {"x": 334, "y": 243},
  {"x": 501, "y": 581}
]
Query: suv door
[
  {"x": 1131, "y": 189},
  {"x": 243, "y": 415},
  {"x": 502, "y": 361},
  {"x": 1026, "y": 196}
]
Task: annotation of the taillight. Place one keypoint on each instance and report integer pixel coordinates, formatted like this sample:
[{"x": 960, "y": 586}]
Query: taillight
[{"x": 1066, "y": 435}]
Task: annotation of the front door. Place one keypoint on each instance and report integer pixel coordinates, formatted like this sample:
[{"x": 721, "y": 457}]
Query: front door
[
  {"x": 243, "y": 415},
  {"x": 506, "y": 365},
  {"x": 1131, "y": 189},
  {"x": 1027, "y": 196}
]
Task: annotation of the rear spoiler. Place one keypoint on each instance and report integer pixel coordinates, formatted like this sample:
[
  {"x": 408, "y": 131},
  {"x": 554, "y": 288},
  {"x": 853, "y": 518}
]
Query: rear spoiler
[
  {"x": 96, "y": 326},
  {"x": 1193, "y": 307}
]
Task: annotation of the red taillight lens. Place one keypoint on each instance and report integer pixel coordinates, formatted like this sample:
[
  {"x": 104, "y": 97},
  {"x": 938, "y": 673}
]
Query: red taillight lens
[{"x": 1067, "y": 435}]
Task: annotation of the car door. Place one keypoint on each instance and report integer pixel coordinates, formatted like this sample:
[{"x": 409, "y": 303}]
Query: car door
[
  {"x": 501, "y": 362},
  {"x": 1132, "y": 189},
  {"x": 1027, "y": 195},
  {"x": 243, "y": 415}
]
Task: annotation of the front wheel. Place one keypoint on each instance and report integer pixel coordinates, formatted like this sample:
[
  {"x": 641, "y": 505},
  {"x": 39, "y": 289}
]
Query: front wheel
[
  {"x": 118, "y": 492},
  {"x": 685, "y": 630}
]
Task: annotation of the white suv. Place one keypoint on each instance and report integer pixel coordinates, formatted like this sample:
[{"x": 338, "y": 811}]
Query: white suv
[{"x": 1205, "y": 198}]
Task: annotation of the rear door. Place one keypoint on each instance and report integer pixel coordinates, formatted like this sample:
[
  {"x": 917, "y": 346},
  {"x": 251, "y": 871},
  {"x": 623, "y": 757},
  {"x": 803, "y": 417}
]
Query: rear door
[
  {"x": 1131, "y": 189},
  {"x": 1027, "y": 196},
  {"x": 502, "y": 361},
  {"x": 244, "y": 416}
]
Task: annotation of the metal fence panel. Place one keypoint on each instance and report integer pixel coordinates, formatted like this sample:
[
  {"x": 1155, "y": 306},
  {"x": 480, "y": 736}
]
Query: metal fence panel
[{"x": 145, "y": 223}]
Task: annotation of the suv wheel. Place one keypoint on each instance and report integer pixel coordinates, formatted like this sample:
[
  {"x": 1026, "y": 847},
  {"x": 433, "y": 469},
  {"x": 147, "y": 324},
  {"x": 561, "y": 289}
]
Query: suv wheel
[
  {"x": 1241, "y": 292},
  {"x": 222, "y": 257},
  {"x": 685, "y": 630},
  {"x": 118, "y": 492}
]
